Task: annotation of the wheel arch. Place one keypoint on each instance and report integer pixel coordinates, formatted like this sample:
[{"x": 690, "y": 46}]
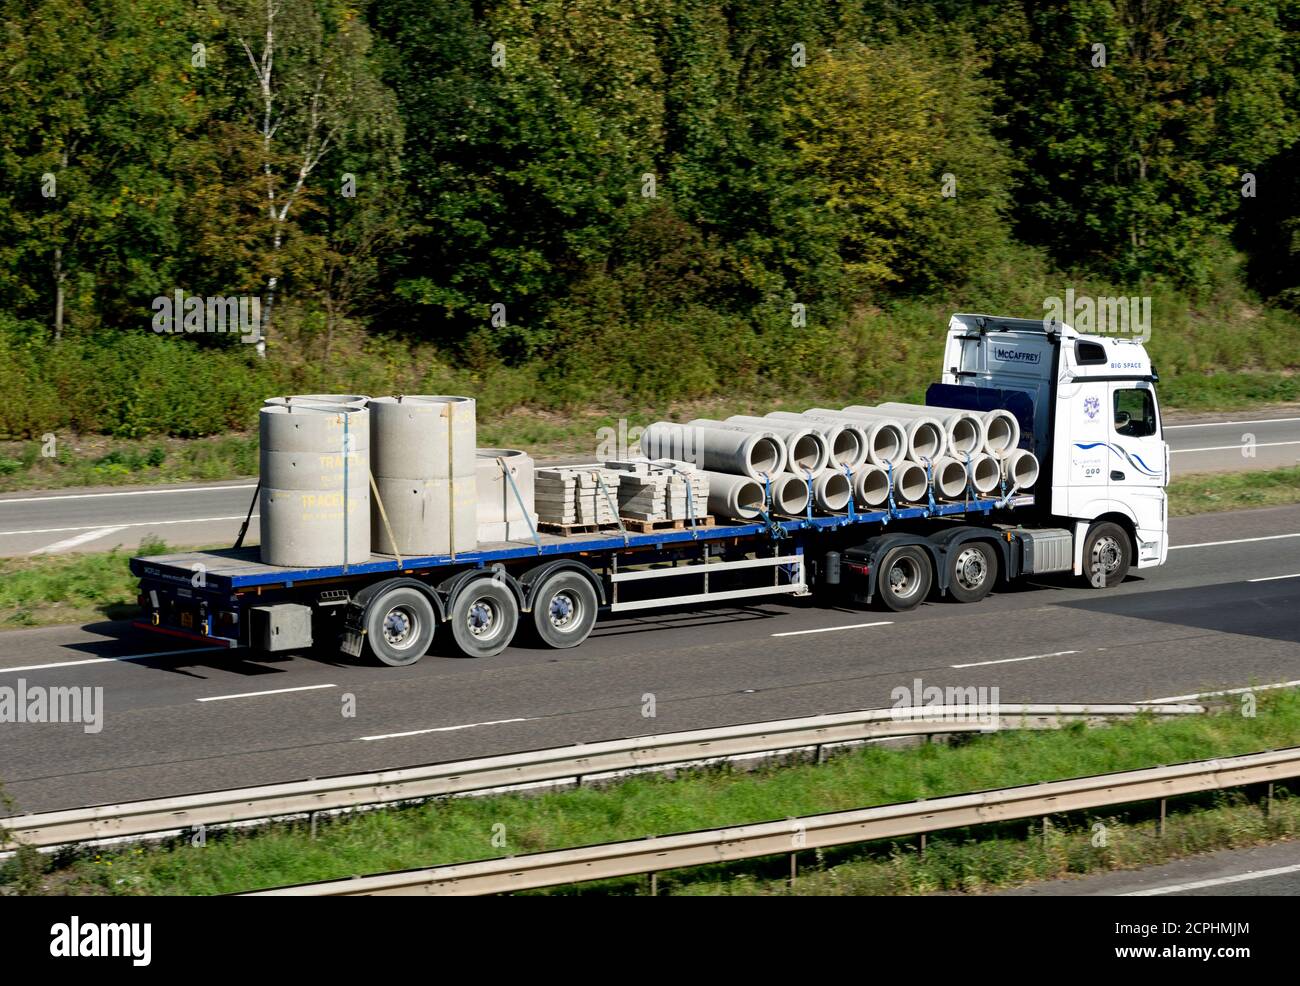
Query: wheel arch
[
  {"x": 451, "y": 588},
  {"x": 362, "y": 598},
  {"x": 534, "y": 577}
]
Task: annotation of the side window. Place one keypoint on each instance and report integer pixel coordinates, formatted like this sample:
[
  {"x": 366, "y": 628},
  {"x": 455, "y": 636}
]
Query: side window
[
  {"x": 1135, "y": 412},
  {"x": 1089, "y": 353}
]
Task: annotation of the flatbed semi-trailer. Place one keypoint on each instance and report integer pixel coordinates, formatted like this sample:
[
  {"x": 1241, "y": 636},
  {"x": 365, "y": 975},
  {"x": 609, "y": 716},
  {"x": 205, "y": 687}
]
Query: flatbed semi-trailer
[{"x": 1087, "y": 410}]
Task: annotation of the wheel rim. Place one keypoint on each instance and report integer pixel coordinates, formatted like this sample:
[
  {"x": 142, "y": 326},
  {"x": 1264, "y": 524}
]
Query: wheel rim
[
  {"x": 564, "y": 612},
  {"x": 1107, "y": 554},
  {"x": 483, "y": 618},
  {"x": 904, "y": 577},
  {"x": 972, "y": 569},
  {"x": 401, "y": 627}
]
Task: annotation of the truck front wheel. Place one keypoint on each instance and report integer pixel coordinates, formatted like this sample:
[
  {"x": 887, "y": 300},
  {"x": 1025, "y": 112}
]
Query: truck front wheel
[
  {"x": 905, "y": 578},
  {"x": 1106, "y": 555},
  {"x": 400, "y": 625}
]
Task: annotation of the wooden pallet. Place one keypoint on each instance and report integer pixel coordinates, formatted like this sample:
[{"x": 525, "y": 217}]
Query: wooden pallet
[
  {"x": 681, "y": 524},
  {"x": 569, "y": 529}
]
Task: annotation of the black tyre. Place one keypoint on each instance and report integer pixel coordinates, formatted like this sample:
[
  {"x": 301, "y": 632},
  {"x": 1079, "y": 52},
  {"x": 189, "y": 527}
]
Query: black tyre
[
  {"x": 905, "y": 578},
  {"x": 400, "y": 625},
  {"x": 564, "y": 610},
  {"x": 1107, "y": 555},
  {"x": 484, "y": 618},
  {"x": 972, "y": 571}
]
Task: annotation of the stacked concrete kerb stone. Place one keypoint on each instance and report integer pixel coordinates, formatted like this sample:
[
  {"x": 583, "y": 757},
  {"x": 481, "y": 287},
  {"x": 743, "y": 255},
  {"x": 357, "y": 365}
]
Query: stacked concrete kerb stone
[
  {"x": 424, "y": 465},
  {"x": 315, "y": 488}
]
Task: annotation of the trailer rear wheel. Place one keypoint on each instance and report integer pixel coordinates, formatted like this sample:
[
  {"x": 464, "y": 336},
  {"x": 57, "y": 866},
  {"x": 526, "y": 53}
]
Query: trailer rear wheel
[
  {"x": 905, "y": 578},
  {"x": 564, "y": 610},
  {"x": 972, "y": 571},
  {"x": 484, "y": 618},
  {"x": 400, "y": 625},
  {"x": 1106, "y": 555}
]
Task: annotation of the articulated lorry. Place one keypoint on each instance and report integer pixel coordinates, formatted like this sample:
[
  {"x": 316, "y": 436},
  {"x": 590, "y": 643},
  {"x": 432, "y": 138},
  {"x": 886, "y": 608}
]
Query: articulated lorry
[{"x": 1087, "y": 410}]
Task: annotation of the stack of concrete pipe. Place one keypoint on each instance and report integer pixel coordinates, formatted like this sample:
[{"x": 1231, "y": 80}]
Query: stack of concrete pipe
[
  {"x": 999, "y": 440},
  {"x": 314, "y": 499},
  {"x": 425, "y": 468},
  {"x": 500, "y": 472}
]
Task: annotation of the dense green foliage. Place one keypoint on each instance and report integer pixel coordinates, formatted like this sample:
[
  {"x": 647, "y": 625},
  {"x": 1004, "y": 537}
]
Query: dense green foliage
[{"x": 552, "y": 201}]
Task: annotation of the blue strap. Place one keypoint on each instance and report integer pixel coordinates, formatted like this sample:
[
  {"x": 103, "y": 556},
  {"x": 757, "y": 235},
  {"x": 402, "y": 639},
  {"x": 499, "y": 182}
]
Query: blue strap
[
  {"x": 774, "y": 530},
  {"x": 520, "y": 498},
  {"x": 809, "y": 480},
  {"x": 848, "y": 474},
  {"x": 929, "y": 486},
  {"x": 969, "y": 491}
]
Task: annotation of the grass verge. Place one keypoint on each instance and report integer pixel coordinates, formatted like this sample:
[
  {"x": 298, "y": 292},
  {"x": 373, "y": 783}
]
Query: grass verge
[
  {"x": 463, "y": 829},
  {"x": 44, "y": 589},
  {"x": 1214, "y": 492}
]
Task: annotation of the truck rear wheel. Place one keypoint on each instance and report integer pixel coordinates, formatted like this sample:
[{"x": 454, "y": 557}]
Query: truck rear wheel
[
  {"x": 972, "y": 571},
  {"x": 564, "y": 610},
  {"x": 399, "y": 626},
  {"x": 484, "y": 618},
  {"x": 905, "y": 578},
  {"x": 1106, "y": 555}
]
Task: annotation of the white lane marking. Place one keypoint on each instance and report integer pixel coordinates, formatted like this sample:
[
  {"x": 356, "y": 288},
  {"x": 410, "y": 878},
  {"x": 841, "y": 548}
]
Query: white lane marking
[
  {"x": 142, "y": 523},
  {"x": 1216, "y": 882},
  {"x": 1224, "y": 448},
  {"x": 112, "y": 660},
  {"x": 1274, "y": 578},
  {"x": 72, "y": 542},
  {"x": 1215, "y": 544},
  {"x": 1217, "y": 424},
  {"x": 447, "y": 729},
  {"x": 1013, "y": 660},
  {"x": 91, "y": 496},
  {"x": 1230, "y": 691},
  {"x": 850, "y": 626},
  {"x": 273, "y": 691}
]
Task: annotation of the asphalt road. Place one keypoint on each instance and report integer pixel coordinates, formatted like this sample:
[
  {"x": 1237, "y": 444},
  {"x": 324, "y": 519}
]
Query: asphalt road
[
  {"x": 1260, "y": 871},
  {"x": 210, "y": 514},
  {"x": 198, "y": 720}
]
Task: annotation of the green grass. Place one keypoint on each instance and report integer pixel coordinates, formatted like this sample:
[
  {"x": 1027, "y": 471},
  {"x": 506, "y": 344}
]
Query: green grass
[
  {"x": 1213, "y": 492},
  {"x": 463, "y": 829},
  {"x": 96, "y": 460},
  {"x": 44, "y": 589}
]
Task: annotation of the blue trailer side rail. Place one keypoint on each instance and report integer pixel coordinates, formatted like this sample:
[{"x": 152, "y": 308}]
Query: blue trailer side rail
[{"x": 234, "y": 570}]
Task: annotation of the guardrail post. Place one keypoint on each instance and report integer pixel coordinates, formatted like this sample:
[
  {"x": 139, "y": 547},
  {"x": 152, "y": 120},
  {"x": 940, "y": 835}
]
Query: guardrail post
[
  {"x": 1160, "y": 830},
  {"x": 654, "y": 884},
  {"x": 922, "y": 845},
  {"x": 794, "y": 867},
  {"x": 1268, "y": 800},
  {"x": 314, "y": 816}
]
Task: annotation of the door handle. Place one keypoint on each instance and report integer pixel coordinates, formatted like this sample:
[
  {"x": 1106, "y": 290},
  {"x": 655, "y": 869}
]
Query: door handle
[{"x": 1116, "y": 476}]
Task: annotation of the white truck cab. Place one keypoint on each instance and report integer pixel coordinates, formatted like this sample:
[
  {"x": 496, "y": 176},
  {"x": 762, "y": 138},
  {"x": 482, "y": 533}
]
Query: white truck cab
[{"x": 1088, "y": 410}]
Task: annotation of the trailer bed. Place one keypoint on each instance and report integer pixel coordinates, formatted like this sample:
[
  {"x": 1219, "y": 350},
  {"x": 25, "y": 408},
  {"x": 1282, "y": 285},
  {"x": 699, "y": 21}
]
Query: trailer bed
[{"x": 234, "y": 569}]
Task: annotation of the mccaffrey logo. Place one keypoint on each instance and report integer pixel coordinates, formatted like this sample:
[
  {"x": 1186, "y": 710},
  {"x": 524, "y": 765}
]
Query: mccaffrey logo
[
  {"x": 1091, "y": 405},
  {"x": 75, "y": 940},
  {"x": 1014, "y": 356}
]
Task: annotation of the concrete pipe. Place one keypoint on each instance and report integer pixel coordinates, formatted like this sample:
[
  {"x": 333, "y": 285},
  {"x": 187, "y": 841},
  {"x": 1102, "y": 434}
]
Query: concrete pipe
[
  {"x": 425, "y": 467},
  {"x": 500, "y": 516},
  {"x": 1020, "y": 469},
  {"x": 883, "y": 438},
  {"x": 1000, "y": 430},
  {"x": 926, "y": 436},
  {"x": 790, "y": 494},
  {"x": 831, "y": 490},
  {"x": 730, "y": 450},
  {"x": 911, "y": 484},
  {"x": 949, "y": 477},
  {"x": 805, "y": 448},
  {"x": 315, "y": 496},
  {"x": 343, "y": 400},
  {"x": 964, "y": 430},
  {"x": 846, "y": 443},
  {"x": 734, "y": 497},
  {"x": 870, "y": 486},
  {"x": 985, "y": 473}
]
